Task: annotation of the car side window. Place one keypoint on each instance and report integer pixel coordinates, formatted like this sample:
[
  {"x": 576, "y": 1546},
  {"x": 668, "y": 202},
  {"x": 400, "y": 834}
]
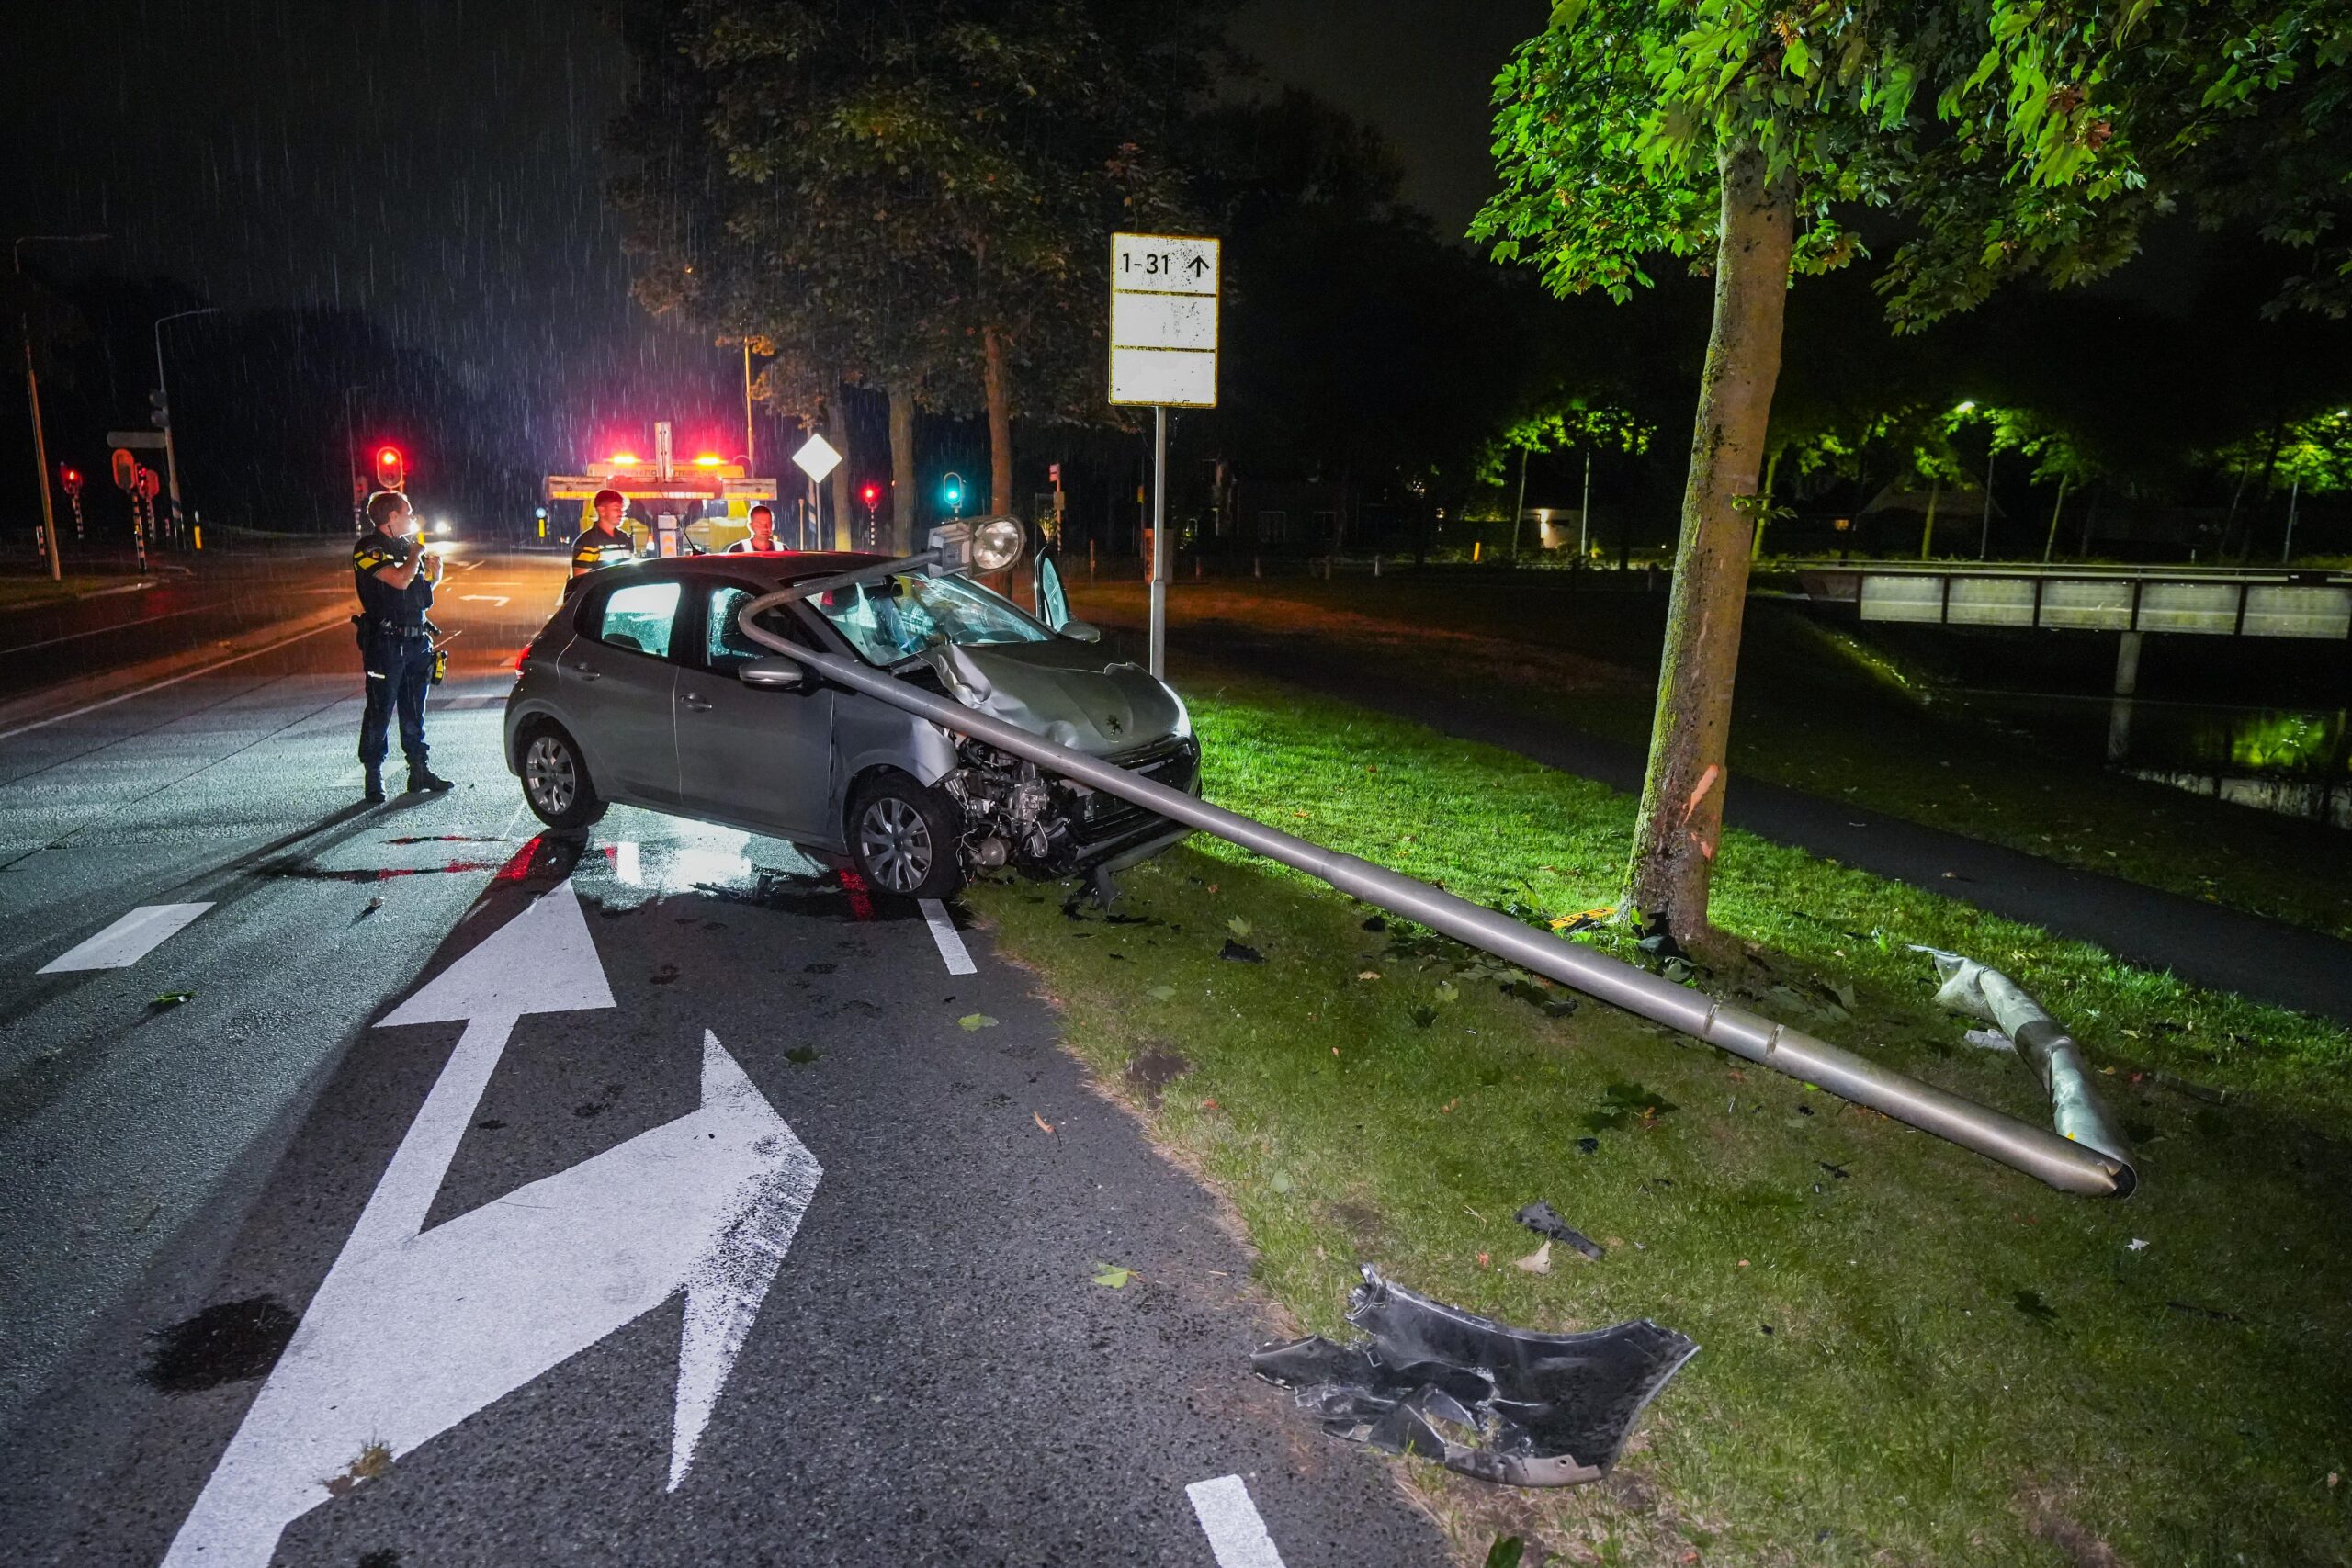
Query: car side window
[
  {"x": 638, "y": 617},
  {"x": 726, "y": 649}
]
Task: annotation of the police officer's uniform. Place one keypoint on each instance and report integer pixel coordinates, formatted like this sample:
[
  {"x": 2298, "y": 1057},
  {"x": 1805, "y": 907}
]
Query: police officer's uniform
[
  {"x": 599, "y": 545},
  {"x": 396, "y": 648}
]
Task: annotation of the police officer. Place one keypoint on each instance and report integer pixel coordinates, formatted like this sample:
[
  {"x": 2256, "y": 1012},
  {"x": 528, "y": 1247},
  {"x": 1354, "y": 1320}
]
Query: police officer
[
  {"x": 395, "y": 577},
  {"x": 762, "y": 535},
  {"x": 602, "y": 543}
]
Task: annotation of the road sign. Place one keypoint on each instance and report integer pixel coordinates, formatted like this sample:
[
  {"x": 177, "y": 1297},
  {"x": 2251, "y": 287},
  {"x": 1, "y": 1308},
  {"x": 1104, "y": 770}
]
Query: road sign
[
  {"x": 136, "y": 438},
  {"x": 817, "y": 457},
  {"x": 414, "y": 1329},
  {"x": 1164, "y": 320}
]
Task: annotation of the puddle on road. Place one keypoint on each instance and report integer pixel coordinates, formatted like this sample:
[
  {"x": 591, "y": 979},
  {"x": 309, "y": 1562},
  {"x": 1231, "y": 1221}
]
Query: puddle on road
[{"x": 232, "y": 1342}]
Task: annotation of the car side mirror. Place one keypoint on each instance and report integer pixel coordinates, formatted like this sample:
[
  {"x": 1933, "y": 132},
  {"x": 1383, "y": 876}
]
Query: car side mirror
[
  {"x": 1081, "y": 631},
  {"x": 774, "y": 673}
]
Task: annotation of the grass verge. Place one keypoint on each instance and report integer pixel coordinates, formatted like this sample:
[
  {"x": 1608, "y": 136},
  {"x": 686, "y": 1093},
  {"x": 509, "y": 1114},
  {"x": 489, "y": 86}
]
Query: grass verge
[
  {"x": 1909, "y": 1354},
  {"x": 1816, "y": 708}
]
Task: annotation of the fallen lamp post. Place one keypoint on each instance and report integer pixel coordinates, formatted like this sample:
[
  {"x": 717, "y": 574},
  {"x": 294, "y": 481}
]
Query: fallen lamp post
[{"x": 2063, "y": 1163}]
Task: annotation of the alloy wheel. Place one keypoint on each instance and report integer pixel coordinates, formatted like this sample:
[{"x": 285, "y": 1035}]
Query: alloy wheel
[
  {"x": 551, "y": 776},
  {"x": 896, "y": 843}
]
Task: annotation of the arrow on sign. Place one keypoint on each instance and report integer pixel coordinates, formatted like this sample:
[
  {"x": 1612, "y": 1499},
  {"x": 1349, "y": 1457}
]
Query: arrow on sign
[
  {"x": 1197, "y": 266},
  {"x": 415, "y": 1330}
]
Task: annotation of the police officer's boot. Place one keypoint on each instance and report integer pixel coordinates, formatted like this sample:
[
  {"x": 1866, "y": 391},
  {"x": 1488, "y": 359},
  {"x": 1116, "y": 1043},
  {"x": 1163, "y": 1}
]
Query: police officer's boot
[
  {"x": 424, "y": 781},
  {"x": 375, "y": 796}
]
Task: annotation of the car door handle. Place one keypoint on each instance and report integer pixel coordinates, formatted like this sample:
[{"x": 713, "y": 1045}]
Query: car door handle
[
  {"x": 697, "y": 702},
  {"x": 587, "y": 672}
]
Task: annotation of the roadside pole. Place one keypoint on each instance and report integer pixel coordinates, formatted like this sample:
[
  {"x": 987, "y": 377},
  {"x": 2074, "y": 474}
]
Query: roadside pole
[
  {"x": 163, "y": 411},
  {"x": 32, "y": 395},
  {"x": 1163, "y": 355}
]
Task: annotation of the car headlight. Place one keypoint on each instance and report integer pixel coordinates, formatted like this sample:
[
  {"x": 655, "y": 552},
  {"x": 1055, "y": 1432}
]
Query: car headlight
[
  {"x": 442, "y": 527},
  {"x": 996, "y": 544}
]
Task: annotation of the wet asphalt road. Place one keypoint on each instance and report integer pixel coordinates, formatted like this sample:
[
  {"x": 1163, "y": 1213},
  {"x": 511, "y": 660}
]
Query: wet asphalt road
[{"x": 920, "y": 1369}]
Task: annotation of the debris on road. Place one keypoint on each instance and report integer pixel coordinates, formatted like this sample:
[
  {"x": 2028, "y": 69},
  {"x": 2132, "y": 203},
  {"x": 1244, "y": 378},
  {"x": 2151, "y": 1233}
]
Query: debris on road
[
  {"x": 1544, "y": 1221},
  {"x": 1112, "y": 1276},
  {"x": 369, "y": 908},
  {"x": 974, "y": 1021},
  {"x": 172, "y": 1000},
  {"x": 1481, "y": 1397},
  {"x": 1043, "y": 1125}
]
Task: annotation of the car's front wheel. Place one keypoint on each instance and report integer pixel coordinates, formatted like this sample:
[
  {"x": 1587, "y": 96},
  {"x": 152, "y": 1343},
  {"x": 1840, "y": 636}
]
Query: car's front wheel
[
  {"x": 555, "y": 779},
  {"x": 903, "y": 838}
]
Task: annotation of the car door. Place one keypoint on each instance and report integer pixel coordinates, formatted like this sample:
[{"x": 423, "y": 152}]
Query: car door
[
  {"x": 619, "y": 683},
  {"x": 760, "y": 760}
]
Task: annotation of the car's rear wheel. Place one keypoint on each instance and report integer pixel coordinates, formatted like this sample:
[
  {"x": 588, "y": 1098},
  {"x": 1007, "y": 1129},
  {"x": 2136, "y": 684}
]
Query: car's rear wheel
[
  {"x": 555, "y": 779},
  {"x": 903, "y": 838}
]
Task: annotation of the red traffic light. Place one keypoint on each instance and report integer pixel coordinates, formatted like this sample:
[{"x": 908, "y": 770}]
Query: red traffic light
[
  {"x": 870, "y": 494},
  {"x": 125, "y": 469},
  {"x": 391, "y": 468},
  {"x": 71, "y": 477}
]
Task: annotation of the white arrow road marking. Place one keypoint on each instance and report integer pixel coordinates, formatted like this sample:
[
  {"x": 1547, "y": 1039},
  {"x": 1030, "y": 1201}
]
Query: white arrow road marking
[
  {"x": 498, "y": 599},
  {"x": 127, "y": 941},
  {"x": 944, "y": 933},
  {"x": 413, "y": 1330},
  {"x": 1230, "y": 1520}
]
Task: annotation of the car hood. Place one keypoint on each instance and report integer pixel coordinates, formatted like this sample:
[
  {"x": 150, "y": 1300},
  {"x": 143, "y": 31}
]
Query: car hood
[{"x": 1064, "y": 691}]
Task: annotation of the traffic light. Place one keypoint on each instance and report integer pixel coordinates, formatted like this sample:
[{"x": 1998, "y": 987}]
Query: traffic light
[
  {"x": 125, "y": 469},
  {"x": 871, "y": 495},
  {"x": 71, "y": 477},
  {"x": 952, "y": 492},
  {"x": 391, "y": 468},
  {"x": 159, "y": 414}
]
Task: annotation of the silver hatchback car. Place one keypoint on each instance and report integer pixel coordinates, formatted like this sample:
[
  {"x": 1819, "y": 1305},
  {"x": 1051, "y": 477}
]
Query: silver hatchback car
[{"x": 644, "y": 690}]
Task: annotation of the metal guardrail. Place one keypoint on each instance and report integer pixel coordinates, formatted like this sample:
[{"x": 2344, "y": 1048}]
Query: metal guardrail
[
  {"x": 2215, "y": 602},
  {"x": 2039, "y": 1152}
]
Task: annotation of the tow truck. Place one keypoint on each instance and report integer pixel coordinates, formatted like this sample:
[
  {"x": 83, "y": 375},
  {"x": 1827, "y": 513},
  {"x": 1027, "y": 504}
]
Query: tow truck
[{"x": 691, "y": 508}]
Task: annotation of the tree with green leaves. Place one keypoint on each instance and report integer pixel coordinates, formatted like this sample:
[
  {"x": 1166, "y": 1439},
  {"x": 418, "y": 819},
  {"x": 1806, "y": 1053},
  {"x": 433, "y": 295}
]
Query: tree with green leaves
[
  {"x": 2004, "y": 139},
  {"x": 913, "y": 193}
]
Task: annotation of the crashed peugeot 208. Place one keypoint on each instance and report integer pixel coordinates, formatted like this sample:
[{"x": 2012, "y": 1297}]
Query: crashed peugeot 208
[{"x": 644, "y": 689}]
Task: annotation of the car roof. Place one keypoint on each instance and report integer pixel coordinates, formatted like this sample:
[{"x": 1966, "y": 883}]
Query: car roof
[{"x": 778, "y": 568}]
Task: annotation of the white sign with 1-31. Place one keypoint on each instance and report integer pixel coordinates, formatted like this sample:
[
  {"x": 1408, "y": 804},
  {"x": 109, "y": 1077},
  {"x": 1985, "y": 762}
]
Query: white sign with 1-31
[{"x": 1163, "y": 319}]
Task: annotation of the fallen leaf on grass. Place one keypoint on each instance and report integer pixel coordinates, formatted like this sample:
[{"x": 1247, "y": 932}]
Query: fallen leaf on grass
[
  {"x": 1043, "y": 1125},
  {"x": 1279, "y": 1182},
  {"x": 1445, "y": 991},
  {"x": 1161, "y": 993},
  {"x": 1112, "y": 1276},
  {"x": 972, "y": 1021},
  {"x": 1369, "y": 975},
  {"x": 1507, "y": 1551},
  {"x": 1536, "y": 1262},
  {"x": 1238, "y": 926}
]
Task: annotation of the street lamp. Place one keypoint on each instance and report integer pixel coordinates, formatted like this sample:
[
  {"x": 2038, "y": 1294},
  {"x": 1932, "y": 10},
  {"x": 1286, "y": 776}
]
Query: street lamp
[
  {"x": 164, "y": 404},
  {"x": 32, "y": 395}
]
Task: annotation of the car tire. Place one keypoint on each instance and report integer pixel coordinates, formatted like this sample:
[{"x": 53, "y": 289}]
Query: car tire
[
  {"x": 556, "y": 784},
  {"x": 903, "y": 838}
]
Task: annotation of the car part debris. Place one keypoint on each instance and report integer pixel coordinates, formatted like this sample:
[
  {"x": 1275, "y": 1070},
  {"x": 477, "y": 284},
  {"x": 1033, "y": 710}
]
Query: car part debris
[
  {"x": 1544, "y": 1221},
  {"x": 1481, "y": 1397},
  {"x": 2043, "y": 1042},
  {"x": 2065, "y": 1165}
]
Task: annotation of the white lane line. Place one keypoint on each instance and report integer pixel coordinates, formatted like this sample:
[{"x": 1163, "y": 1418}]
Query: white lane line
[
  {"x": 129, "y": 940},
  {"x": 173, "y": 681},
  {"x": 944, "y": 933},
  {"x": 1230, "y": 1520}
]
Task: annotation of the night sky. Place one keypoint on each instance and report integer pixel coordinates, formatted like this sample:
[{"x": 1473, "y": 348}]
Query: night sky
[{"x": 437, "y": 163}]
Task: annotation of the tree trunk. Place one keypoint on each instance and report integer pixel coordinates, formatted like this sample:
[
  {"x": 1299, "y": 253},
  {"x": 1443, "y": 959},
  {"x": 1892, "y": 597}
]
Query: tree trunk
[
  {"x": 1927, "y": 528},
  {"x": 999, "y": 398},
  {"x": 837, "y": 433},
  {"x": 903, "y": 515},
  {"x": 1682, "y": 793}
]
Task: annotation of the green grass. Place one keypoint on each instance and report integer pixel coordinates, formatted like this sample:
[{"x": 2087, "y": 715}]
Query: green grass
[
  {"x": 1815, "y": 708},
  {"x": 1963, "y": 1365}
]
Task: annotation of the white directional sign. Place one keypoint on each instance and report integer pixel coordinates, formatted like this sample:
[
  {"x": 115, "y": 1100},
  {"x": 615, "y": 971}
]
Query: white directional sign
[
  {"x": 817, "y": 457},
  {"x": 415, "y": 1330},
  {"x": 1163, "y": 319}
]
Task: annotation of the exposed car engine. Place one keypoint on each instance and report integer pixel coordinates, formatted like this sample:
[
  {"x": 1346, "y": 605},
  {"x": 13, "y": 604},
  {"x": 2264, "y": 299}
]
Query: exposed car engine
[{"x": 1016, "y": 814}]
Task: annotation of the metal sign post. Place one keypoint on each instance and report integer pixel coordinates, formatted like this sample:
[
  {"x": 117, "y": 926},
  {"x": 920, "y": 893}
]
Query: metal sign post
[
  {"x": 1163, "y": 354},
  {"x": 817, "y": 458}
]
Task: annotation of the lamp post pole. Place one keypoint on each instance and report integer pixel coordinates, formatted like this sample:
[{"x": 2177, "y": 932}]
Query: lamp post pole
[
  {"x": 32, "y": 395},
  {"x": 171, "y": 452}
]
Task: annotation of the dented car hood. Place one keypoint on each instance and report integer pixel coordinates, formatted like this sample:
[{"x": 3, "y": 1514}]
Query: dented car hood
[{"x": 1067, "y": 692}]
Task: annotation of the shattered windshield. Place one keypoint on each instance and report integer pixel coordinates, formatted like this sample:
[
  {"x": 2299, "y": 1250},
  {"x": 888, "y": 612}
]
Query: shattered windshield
[{"x": 903, "y": 614}]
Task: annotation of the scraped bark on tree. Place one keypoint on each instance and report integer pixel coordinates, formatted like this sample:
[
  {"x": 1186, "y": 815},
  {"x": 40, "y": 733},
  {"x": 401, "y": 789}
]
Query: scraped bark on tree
[
  {"x": 998, "y": 387},
  {"x": 903, "y": 520},
  {"x": 1682, "y": 794}
]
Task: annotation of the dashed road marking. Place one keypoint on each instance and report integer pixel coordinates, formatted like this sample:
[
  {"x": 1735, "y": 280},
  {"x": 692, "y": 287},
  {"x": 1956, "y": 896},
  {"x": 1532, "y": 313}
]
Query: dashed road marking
[
  {"x": 129, "y": 940},
  {"x": 1230, "y": 1520},
  {"x": 951, "y": 942}
]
